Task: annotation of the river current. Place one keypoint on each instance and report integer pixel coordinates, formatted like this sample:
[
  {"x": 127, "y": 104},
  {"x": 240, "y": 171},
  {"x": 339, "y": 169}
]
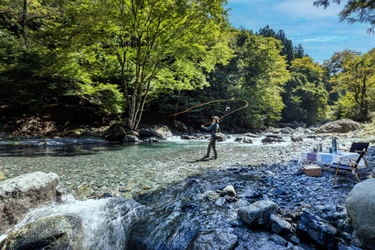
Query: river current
[
  {"x": 168, "y": 177},
  {"x": 128, "y": 169}
]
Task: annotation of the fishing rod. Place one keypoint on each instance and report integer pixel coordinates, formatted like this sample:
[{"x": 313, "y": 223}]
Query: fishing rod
[{"x": 214, "y": 101}]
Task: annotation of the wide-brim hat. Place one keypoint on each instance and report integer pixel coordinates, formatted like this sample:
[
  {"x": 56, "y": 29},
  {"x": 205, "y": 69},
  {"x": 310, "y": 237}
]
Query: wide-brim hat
[{"x": 216, "y": 118}]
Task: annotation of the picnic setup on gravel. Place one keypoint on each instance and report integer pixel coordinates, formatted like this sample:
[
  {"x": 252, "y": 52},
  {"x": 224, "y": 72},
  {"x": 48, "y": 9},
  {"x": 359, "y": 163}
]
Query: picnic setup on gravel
[{"x": 340, "y": 160}]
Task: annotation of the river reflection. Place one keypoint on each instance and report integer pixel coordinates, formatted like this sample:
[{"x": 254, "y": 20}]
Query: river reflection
[
  {"x": 172, "y": 143},
  {"x": 76, "y": 150}
]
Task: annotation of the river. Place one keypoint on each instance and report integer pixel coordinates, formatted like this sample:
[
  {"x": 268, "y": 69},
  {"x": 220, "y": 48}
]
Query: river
[{"x": 168, "y": 177}]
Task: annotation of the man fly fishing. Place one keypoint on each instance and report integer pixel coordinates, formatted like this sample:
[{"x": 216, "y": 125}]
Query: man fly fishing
[{"x": 213, "y": 128}]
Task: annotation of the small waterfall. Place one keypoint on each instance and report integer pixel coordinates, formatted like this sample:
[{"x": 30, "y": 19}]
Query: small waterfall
[{"x": 106, "y": 222}]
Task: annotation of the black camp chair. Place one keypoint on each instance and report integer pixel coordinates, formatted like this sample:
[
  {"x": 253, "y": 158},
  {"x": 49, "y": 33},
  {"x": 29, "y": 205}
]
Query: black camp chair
[
  {"x": 358, "y": 147},
  {"x": 350, "y": 165}
]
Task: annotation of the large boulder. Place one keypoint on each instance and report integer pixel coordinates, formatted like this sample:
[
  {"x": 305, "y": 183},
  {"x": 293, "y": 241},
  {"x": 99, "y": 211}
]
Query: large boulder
[
  {"x": 339, "y": 126},
  {"x": 115, "y": 132},
  {"x": 163, "y": 130},
  {"x": 180, "y": 126},
  {"x": 54, "y": 232},
  {"x": 360, "y": 206},
  {"x": 158, "y": 131},
  {"x": 20, "y": 194},
  {"x": 258, "y": 213}
]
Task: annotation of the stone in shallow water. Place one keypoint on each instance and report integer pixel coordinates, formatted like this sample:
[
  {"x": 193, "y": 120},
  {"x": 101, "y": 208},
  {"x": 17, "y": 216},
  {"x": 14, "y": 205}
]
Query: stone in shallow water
[{"x": 55, "y": 232}]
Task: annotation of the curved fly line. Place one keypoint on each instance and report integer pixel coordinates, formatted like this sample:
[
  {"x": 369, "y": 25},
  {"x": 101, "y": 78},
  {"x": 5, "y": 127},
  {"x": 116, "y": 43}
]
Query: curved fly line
[{"x": 214, "y": 101}]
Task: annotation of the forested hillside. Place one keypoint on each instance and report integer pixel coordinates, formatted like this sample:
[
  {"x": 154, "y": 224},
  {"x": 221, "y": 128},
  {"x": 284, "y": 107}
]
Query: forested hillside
[{"x": 74, "y": 64}]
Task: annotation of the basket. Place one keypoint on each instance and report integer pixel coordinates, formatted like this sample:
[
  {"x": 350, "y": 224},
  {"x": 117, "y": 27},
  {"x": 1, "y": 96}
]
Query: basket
[{"x": 312, "y": 170}]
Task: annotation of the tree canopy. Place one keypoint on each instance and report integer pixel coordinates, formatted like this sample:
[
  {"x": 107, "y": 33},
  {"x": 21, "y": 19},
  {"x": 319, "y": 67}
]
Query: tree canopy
[
  {"x": 154, "y": 44},
  {"x": 305, "y": 95},
  {"x": 353, "y": 77},
  {"x": 122, "y": 58}
]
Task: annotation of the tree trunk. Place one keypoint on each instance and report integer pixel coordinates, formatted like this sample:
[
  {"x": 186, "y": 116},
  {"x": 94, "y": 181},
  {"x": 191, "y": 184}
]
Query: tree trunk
[
  {"x": 364, "y": 106},
  {"x": 24, "y": 24},
  {"x": 130, "y": 121}
]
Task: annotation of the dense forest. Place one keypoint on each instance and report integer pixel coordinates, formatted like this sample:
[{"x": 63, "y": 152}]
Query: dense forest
[{"x": 92, "y": 63}]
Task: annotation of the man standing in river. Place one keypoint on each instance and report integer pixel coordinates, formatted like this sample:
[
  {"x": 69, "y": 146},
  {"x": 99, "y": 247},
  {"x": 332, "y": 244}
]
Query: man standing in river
[{"x": 214, "y": 128}]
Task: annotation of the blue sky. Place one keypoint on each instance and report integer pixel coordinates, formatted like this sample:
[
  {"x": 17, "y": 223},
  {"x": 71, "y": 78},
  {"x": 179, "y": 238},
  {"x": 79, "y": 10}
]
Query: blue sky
[{"x": 318, "y": 30}]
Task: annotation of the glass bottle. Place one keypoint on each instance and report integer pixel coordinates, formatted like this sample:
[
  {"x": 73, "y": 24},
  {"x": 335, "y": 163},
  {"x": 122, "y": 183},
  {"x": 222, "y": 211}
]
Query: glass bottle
[{"x": 334, "y": 145}]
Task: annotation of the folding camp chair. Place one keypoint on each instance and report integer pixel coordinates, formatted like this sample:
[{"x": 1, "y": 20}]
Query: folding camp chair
[
  {"x": 348, "y": 165},
  {"x": 358, "y": 147}
]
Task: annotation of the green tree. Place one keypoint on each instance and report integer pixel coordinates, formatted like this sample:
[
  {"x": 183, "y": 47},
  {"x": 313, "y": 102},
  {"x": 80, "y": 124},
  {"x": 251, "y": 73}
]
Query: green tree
[
  {"x": 150, "y": 45},
  {"x": 288, "y": 50},
  {"x": 23, "y": 52},
  {"x": 262, "y": 74},
  {"x": 305, "y": 96},
  {"x": 25, "y": 17},
  {"x": 299, "y": 51},
  {"x": 354, "y": 11},
  {"x": 256, "y": 73},
  {"x": 354, "y": 80}
]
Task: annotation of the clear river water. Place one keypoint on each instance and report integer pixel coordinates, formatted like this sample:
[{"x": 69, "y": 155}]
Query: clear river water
[{"x": 168, "y": 177}]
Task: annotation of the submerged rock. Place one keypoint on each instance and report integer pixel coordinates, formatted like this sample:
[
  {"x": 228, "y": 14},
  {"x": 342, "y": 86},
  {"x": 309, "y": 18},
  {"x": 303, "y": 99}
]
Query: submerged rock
[{"x": 55, "y": 232}]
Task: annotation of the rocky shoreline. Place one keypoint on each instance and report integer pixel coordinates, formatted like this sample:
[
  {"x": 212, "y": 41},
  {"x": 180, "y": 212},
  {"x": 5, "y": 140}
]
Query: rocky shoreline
[{"x": 270, "y": 172}]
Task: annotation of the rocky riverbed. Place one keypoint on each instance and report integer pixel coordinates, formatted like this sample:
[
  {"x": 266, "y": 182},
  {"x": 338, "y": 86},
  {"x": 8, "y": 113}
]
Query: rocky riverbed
[{"x": 262, "y": 172}]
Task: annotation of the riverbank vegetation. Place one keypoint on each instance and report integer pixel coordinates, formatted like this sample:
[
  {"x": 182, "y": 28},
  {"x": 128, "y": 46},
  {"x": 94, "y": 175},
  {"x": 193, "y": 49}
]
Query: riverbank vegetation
[{"x": 69, "y": 64}]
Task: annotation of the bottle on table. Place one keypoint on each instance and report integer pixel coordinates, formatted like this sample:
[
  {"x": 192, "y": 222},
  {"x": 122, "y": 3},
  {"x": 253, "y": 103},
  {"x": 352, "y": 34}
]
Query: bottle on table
[{"x": 334, "y": 145}]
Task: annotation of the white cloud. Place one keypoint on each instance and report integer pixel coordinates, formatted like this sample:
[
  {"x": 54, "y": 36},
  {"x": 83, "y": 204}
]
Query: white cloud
[
  {"x": 305, "y": 9},
  {"x": 324, "y": 39}
]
